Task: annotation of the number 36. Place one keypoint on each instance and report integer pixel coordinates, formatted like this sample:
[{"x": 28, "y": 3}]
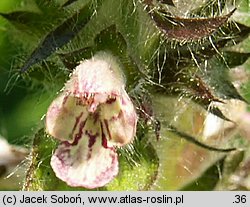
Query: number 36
[{"x": 240, "y": 199}]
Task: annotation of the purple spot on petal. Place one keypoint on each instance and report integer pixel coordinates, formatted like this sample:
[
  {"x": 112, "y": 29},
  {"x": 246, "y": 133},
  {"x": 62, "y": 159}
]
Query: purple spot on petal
[
  {"x": 104, "y": 142},
  {"x": 104, "y": 139},
  {"x": 77, "y": 121},
  {"x": 107, "y": 127},
  {"x": 66, "y": 143},
  {"x": 92, "y": 138},
  {"x": 89, "y": 154},
  {"x": 111, "y": 100},
  {"x": 79, "y": 134},
  {"x": 79, "y": 102}
]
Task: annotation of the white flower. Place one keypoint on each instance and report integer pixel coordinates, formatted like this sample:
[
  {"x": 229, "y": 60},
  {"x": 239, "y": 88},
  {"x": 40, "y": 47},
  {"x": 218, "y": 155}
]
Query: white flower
[{"x": 91, "y": 116}]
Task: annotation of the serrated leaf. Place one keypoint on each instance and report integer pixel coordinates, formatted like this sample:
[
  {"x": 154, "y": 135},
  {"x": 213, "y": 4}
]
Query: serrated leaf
[
  {"x": 235, "y": 33},
  {"x": 193, "y": 87},
  {"x": 187, "y": 29},
  {"x": 217, "y": 77},
  {"x": 59, "y": 36}
]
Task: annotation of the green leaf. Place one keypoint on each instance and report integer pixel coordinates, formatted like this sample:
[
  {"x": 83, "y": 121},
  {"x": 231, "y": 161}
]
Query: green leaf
[
  {"x": 234, "y": 59},
  {"x": 10, "y": 6},
  {"x": 168, "y": 2},
  {"x": 208, "y": 180},
  {"x": 138, "y": 167},
  {"x": 60, "y": 36},
  {"x": 68, "y": 2},
  {"x": 210, "y": 8},
  {"x": 181, "y": 162},
  {"x": 242, "y": 13},
  {"x": 216, "y": 76},
  {"x": 196, "y": 142},
  {"x": 231, "y": 164}
]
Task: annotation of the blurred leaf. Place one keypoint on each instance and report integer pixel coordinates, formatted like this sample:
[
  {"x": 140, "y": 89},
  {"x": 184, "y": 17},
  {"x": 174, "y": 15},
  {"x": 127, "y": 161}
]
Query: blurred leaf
[
  {"x": 232, "y": 161},
  {"x": 231, "y": 164},
  {"x": 209, "y": 8},
  {"x": 168, "y": 2},
  {"x": 68, "y": 2},
  {"x": 242, "y": 13},
  {"x": 9, "y": 6},
  {"x": 208, "y": 180},
  {"x": 196, "y": 142},
  {"x": 138, "y": 167},
  {"x": 35, "y": 106},
  {"x": 181, "y": 162}
]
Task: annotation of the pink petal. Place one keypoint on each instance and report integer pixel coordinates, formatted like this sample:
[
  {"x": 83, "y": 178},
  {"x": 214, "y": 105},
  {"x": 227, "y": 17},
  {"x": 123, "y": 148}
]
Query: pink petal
[
  {"x": 89, "y": 161},
  {"x": 120, "y": 119},
  {"x": 99, "y": 75},
  {"x": 63, "y": 117}
]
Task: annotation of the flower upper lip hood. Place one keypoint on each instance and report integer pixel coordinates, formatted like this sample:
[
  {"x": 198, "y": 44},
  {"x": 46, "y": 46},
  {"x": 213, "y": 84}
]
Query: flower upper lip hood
[{"x": 92, "y": 115}]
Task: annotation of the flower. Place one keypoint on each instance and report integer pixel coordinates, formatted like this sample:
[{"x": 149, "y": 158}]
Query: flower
[{"x": 92, "y": 115}]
